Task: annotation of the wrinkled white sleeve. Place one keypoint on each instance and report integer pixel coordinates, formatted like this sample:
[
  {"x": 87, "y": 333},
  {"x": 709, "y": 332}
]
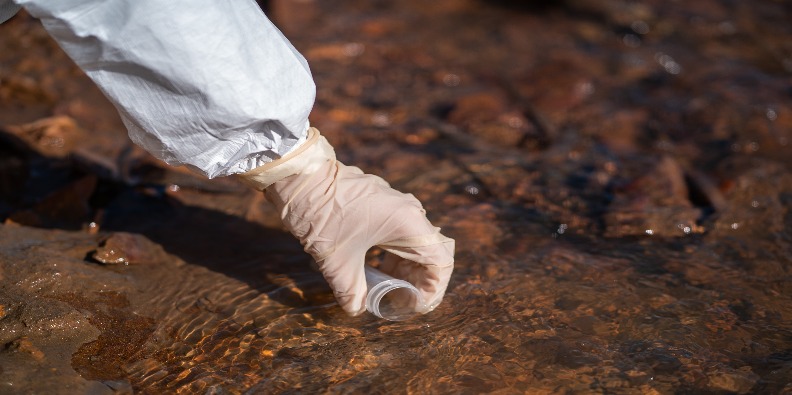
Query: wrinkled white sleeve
[
  {"x": 210, "y": 84},
  {"x": 7, "y": 10}
]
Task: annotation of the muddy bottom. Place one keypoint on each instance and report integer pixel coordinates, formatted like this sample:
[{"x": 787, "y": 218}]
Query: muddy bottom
[{"x": 616, "y": 175}]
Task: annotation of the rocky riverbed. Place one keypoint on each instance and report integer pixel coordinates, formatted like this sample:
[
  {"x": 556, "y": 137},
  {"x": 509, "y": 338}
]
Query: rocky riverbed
[{"x": 616, "y": 174}]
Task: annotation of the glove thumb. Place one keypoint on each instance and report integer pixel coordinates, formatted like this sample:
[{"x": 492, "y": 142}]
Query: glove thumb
[{"x": 346, "y": 276}]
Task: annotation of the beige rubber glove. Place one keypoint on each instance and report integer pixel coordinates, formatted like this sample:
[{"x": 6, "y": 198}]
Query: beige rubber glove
[{"x": 338, "y": 213}]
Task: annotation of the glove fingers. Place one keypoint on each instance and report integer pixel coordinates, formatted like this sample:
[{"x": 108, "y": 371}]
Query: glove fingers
[
  {"x": 428, "y": 267},
  {"x": 344, "y": 272},
  {"x": 423, "y": 256}
]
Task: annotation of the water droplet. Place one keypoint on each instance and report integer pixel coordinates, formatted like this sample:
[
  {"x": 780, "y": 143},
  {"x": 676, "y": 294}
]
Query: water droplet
[
  {"x": 686, "y": 229},
  {"x": 649, "y": 232},
  {"x": 471, "y": 189},
  {"x": 173, "y": 188},
  {"x": 754, "y": 203},
  {"x": 771, "y": 114},
  {"x": 735, "y": 225}
]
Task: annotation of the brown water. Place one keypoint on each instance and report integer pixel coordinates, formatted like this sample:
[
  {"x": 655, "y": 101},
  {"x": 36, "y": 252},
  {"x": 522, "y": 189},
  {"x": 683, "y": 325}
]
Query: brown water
[{"x": 616, "y": 175}]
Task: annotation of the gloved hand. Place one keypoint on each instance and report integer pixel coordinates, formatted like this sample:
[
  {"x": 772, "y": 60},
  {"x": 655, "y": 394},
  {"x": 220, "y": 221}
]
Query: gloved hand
[{"x": 338, "y": 213}]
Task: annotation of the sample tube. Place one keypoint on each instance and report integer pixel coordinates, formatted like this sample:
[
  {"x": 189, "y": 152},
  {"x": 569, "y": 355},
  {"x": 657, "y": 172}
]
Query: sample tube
[{"x": 391, "y": 298}]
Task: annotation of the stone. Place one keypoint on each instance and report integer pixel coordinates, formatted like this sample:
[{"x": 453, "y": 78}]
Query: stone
[{"x": 129, "y": 249}]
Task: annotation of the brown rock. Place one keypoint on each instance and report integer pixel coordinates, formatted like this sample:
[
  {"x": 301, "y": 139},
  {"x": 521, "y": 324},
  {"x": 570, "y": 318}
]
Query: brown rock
[
  {"x": 621, "y": 130},
  {"x": 654, "y": 203},
  {"x": 55, "y": 136},
  {"x": 480, "y": 226},
  {"x": 486, "y": 115},
  {"x": 736, "y": 381},
  {"x": 24, "y": 345},
  {"x": 129, "y": 249},
  {"x": 292, "y": 16}
]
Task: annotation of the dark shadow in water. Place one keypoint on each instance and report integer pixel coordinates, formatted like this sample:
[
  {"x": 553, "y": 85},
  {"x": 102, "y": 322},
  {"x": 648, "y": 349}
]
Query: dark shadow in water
[
  {"x": 528, "y": 5},
  {"x": 220, "y": 242},
  {"x": 49, "y": 192}
]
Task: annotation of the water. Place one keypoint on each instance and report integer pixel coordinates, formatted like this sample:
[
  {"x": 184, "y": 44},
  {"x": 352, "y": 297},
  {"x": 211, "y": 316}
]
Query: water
[{"x": 616, "y": 176}]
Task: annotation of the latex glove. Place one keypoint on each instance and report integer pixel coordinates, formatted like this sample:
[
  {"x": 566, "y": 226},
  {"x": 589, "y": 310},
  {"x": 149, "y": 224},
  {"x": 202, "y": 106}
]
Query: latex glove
[{"x": 338, "y": 213}]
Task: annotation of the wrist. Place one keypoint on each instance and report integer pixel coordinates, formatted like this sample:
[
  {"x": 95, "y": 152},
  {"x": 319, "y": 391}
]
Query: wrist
[{"x": 307, "y": 158}]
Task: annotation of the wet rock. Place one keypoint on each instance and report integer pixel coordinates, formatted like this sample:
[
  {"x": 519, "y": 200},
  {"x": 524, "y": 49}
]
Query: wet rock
[
  {"x": 55, "y": 308},
  {"x": 292, "y": 16},
  {"x": 488, "y": 116},
  {"x": 120, "y": 387},
  {"x": 123, "y": 335},
  {"x": 590, "y": 325},
  {"x": 559, "y": 84},
  {"x": 37, "y": 335},
  {"x": 24, "y": 345},
  {"x": 621, "y": 130},
  {"x": 733, "y": 381},
  {"x": 481, "y": 222},
  {"x": 654, "y": 203},
  {"x": 56, "y": 136},
  {"x": 758, "y": 198},
  {"x": 129, "y": 249}
]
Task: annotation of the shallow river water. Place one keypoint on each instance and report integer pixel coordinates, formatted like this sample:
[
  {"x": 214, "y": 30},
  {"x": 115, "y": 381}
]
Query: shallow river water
[{"x": 616, "y": 175}]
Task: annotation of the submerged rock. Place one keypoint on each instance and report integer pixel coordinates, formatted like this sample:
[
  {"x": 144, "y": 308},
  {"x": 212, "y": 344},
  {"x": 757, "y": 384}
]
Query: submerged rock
[
  {"x": 129, "y": 249},
  {"x": 488, "y": 116},
  {"x": 654, "y": 203},
  {"x": 38, "y": 332},
  {"x": 733, "y": 381}
]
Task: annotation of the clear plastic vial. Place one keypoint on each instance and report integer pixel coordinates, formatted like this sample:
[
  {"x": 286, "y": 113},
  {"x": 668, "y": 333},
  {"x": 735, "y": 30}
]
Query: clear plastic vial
[{"x": 391, "y": 298}]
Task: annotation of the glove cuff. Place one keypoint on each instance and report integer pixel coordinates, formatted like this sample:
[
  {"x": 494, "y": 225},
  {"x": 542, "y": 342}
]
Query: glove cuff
[{"x": 306, "y": 159}]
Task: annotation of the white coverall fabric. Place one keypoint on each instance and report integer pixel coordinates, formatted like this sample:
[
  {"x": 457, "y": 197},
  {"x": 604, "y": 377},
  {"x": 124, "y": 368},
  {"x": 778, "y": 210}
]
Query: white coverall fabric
[
  {"x": 8, "y": 9},
  {"x": 210, "y": 84}
]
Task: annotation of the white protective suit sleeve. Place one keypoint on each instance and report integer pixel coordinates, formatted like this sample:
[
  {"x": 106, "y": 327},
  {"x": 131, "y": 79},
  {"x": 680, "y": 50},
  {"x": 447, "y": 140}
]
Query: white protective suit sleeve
[
  {"x": 210, "y": 84},
  {"x": 8, "y": 9}
]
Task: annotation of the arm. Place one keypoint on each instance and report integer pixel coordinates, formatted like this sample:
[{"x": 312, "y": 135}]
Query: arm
[
  {"x": 8, "y": 9},
  {"x": 209, "y": 84},
  {"x": 213, "y": 85}
]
